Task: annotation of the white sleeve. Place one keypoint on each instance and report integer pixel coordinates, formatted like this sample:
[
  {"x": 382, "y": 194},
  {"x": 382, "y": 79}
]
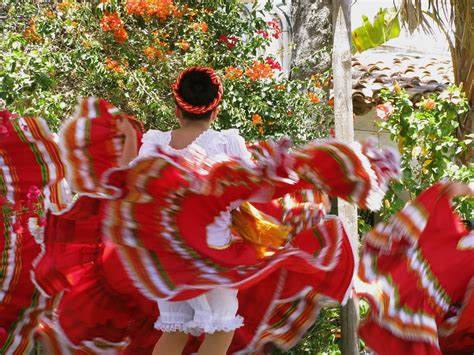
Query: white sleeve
[
  {"x": 150, "y": 141},
  {"x": 236, "y": 146}
]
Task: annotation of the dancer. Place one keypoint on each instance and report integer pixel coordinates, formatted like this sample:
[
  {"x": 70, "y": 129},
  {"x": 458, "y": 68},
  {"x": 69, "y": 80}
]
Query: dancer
[
  {"x": 197, "y": 92},
  {"x": 174, "y": 219},
  {"x": 417, "y": 273}
]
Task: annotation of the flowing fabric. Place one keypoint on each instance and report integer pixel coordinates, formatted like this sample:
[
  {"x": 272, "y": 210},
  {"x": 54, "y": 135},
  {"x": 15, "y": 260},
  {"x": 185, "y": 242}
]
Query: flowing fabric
[
  {"x": 85, "y": 273},
  {"x": 140, "y": 233},
  {"x": 114, "y": 315},
  {"x": 417, "y": 273},
  {"x": 30, "y": 175},
  {"x": 91, "y": 144},
  {"x": 158, "y": 226}
]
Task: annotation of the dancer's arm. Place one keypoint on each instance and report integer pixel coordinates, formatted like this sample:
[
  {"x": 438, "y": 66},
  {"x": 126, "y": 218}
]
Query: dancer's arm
[
  {"x": 457, "y": 189},
  {"x": 130, "y": 144}
]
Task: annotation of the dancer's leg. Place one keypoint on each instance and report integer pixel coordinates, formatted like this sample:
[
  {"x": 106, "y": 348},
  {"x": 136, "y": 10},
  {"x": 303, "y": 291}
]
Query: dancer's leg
[
  {"x": 171, "y": 344},
  {"x": 216, "y": 344}
]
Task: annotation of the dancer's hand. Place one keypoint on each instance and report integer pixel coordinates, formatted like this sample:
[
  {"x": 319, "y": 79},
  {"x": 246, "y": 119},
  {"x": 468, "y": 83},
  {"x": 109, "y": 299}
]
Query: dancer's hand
[
  {"x": 456, "y": 189},
  {"x": 130, "y": 144},
  {"x": 124, "y": 126}
]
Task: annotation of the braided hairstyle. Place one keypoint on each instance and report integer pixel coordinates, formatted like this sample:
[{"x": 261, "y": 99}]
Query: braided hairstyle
[{"x": 197, "y": 91}]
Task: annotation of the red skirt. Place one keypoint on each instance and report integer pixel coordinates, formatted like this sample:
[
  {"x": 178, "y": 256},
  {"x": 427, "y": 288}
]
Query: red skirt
[
  {"x": 85, "y": 273},
  {"x": 30, "y": 172},
  {"x": 407, "y": 267},
  {"x": 115, "y": 315},
  {"x": 158, "y": 227}
]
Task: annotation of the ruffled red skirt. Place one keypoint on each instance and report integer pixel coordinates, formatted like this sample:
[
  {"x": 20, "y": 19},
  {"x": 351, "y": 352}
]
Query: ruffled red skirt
[
  {"x": 417, "y": 272},
  {"x": 115, "y": 315},
  {"x": 30, "y": 172},
  {"x": 157, "y": 225},
  {"x": 85, "y": 273}
]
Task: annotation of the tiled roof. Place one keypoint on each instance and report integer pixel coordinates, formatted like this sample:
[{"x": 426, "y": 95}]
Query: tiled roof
[{"x": 419, "y": 74}]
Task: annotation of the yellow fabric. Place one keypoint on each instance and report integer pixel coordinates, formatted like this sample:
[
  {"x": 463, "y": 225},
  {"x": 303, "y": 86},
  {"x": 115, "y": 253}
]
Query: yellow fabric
[{"x": 259, "y": 229}]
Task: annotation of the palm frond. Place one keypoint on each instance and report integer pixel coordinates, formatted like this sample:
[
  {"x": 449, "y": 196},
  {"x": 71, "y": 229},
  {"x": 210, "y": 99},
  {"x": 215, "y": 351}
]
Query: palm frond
[{"x": 415, "y": 17}]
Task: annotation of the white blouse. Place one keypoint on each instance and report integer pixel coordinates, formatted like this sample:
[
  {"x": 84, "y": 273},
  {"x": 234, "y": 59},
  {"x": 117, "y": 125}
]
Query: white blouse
[{"x": 216, "y": 145}]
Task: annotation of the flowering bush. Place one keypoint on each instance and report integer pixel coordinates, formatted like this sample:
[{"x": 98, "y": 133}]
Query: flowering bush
[
  {"x": 16, "y": 215},
  {"x": 427, "y": 141},
  {"x": 130, "y": 51}
]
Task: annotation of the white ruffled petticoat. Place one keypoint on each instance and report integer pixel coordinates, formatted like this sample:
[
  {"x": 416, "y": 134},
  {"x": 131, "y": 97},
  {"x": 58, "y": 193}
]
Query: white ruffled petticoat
[{"x": 209, "y": 313}]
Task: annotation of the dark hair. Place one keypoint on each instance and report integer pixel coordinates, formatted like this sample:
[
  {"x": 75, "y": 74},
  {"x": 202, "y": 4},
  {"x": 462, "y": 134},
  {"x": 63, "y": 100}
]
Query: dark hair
[
  {"x": 197, "y": 89},
  {"x": 469, "y": 224}
]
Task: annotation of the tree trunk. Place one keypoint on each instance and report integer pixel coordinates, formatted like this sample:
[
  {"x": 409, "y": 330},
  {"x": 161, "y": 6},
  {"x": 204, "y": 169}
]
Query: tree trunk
[
  {"x": 341, "y": 64},
  {"x": 462, "y": 52},
  {"x": 463, "y": 46},
  {"x": 312, "y": 36}
]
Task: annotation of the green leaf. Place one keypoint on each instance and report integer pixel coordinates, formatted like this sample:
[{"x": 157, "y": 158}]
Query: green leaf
[{"x": 385, "y": 27}]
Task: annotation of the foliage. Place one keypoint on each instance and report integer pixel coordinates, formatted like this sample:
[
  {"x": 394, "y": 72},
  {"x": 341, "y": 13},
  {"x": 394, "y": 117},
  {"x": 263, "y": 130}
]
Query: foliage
[
  {"x": 129, "y": 52},
  {"x": 385, "y": 27},
  {"x": 454, "y": 18},
  {"x": 322, "y": 338},
  {"x": 427, "y": 141},
  {"x": 16, "y": 215}
]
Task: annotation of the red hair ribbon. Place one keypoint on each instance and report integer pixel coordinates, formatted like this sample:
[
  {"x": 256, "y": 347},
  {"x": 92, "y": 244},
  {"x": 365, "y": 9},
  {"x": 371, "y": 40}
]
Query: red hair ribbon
[{"x": 198, "y": 109}]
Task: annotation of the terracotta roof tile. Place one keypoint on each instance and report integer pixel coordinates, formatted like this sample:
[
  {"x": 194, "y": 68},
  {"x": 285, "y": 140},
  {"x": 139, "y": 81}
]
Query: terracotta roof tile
[{"x": 380, "y": 68}]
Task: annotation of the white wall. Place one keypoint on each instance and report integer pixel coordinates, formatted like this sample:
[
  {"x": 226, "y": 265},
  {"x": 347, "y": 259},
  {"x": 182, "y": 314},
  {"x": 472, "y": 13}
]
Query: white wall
[{"x": 365, "y": 126}]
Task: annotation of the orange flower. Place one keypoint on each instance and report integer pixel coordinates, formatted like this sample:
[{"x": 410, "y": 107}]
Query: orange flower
[
  {"x": 150, "y": 51},
  {"x": 428, "y": 104},
  {"x": 64, "y": 5},
  {"x": 233, "y": 73},
  {"x": 191, "y": 14},
  {"x": 114, "y": 66},
  {"x": 179, "y": 13},
  {"x": 50, "y": 14},
  {"x": 183, "y": 45},
  {"x": 257, "y": 119},
  {"x": 158, "y": 8},
  {"x": 313, "y": 97},
  {"x": 110, "y": 22},
  {"x": 261, "y": 130},
  {"x": 331, "y": 102},
  {"x": 199, "y": 26},
  {"x": 280, "y": 87},
  {"x": 160, "y": 42},
  {"x": 153, "y": 52},
  {"x": 74, "y": 24},
  {"x": 120, "y": 35},
  {"x": 259, "y": 70},
  {"x": 30, "y": 33}
]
